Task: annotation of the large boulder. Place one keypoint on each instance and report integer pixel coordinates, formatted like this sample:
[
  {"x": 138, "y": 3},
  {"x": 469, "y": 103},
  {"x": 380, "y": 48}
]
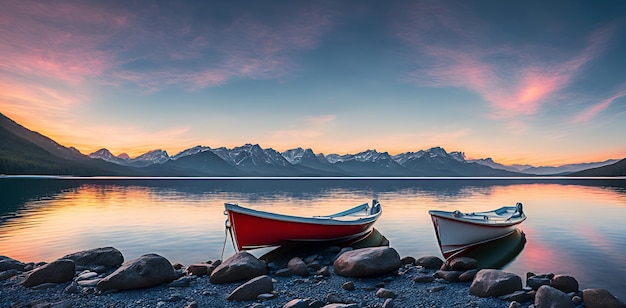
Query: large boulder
[
  {"x": 601, "y": 298},
  {"x": 240, "y": 266},
  {"x": 492, "y": 282},
  {"x": 429, "y": 262},
  {"x": 144, "y": 272},
  {"x": 107, "y": 257},
  {"x": 251, "y": 289},
  {"x": 367, "y": 262},
  {"x": 59, "y": 271},
  {"x": 549, "y": 297},
  {"x": 7, "y": 263}
]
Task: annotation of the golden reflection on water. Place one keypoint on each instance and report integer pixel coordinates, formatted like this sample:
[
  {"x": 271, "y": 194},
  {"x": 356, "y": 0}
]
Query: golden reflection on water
[{"x": 566, "y": 223}]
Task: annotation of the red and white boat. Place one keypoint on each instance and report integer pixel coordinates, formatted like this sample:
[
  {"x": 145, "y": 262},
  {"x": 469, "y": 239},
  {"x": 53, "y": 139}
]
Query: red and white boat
[
  {"x": 255, "y": 229},
  {"x": 456, "y": 231}
]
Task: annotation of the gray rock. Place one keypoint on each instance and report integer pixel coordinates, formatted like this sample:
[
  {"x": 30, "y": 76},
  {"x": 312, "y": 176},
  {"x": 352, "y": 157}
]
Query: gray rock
[
  {"x": 108, "y": 257},
  {"x": 8, "y": 274},
  {"x": 367, "y": 262},
  {"x": 348, "y": 285},
  {"x": 73, "y": 288},
  {"x": 146, "y": 271},
  {"x": 314, "y": 265},
  {"x": 492, "y": 282},
  {"x": 240, "y": 266},
  {"x": 429, "y": 262},
  {"x": 212, "y": 267},
  {"x": 463, "y": 263},
  {"x": 564, "y": 283},
  {"x": 334, "y": 298},
  {"x": 181, "y": 282},
  {"x": 451, "y": 276},
  {"x": 517, "y": 296},
  {"x": 251, "y": 289},
  {"x": 436, "y": 289},
  {"x": 200, "y": 269},
  {"x": 468, "y": 275},
  {"x": 537, "y": 281},
  {"x": 283, "y": 272},
  {"x": 86, "y": 275},
  {"x": 324, "y": 271},
  {"x": 7, "y": 263},
  {"x": 549, "y": 297},
  {"x": 515, "y": 304},
  {"x": 385, "y": 293},
  {"x": 407, "y": 260},
  {"x": 89, "y": 282},
  {"x": 298, "y": 267},
  {"x": 266, "y": 296},
  {"x": 596, "y": 298},
  {"x": 388, "y": 303},
  {"x": 61, "y": 270}
]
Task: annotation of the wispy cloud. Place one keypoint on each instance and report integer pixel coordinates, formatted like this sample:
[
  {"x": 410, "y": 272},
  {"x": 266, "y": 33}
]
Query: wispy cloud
[
  {"x": 453, "y": 48},
  {"x": 198, "y": 54},
  {"x": 592, "y": 111},
  {"x": 70, "y": 42}
]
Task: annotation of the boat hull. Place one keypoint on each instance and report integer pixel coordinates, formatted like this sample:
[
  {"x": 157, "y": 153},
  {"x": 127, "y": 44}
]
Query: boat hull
[
  {"x": 251, "y": 231},
  {"x": 454, "y": 235}
]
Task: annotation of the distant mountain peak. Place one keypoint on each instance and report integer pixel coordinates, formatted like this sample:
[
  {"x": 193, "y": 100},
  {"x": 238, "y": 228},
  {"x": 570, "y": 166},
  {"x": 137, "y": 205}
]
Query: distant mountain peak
[
  {"x": 191, "y": 151},
  {"x": 155, "y": 156}
]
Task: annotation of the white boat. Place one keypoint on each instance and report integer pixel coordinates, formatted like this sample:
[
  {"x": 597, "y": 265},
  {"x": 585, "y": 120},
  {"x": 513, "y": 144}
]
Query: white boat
[{"x": 456, "y": 231}]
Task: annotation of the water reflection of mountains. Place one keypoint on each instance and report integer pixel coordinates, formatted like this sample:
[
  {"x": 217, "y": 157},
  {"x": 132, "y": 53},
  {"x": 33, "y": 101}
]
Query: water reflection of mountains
[{"x": 14, "y": 192}]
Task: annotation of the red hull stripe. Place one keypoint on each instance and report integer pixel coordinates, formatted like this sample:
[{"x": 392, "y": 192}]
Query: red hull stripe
[{"x": 252, "y": 231}]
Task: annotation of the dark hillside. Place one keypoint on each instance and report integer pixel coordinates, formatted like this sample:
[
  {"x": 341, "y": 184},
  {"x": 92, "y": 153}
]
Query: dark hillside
[{"x": 616, "y": 169}]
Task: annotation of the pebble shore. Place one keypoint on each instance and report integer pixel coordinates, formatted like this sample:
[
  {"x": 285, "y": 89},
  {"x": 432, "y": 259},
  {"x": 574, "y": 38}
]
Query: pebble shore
[{"x": 307, "y": 281}]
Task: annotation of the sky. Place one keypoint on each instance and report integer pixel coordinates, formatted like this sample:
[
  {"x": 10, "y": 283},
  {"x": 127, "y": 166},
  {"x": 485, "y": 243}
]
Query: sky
[{"x": 537, "y": 82}]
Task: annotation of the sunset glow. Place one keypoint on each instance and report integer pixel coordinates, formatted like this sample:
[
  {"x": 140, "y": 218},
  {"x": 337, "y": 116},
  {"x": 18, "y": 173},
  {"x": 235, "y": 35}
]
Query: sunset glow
[{"x": 496, "y": 80}]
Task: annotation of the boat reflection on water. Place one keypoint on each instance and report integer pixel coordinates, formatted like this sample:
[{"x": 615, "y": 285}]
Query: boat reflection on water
[
  {"x": 496, "y": 253},
  {"x": 282, "y": 254}
]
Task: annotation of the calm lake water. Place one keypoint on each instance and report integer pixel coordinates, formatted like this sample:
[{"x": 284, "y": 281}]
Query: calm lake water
[{"x": 574, "y": 227}]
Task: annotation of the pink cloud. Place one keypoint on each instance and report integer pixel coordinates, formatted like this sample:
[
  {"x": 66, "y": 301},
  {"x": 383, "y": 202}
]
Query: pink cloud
[
  {"x": 591, "y": 112},
  {"x": 54, "y": 40},
  {"x": 73, "y": 42},
  {"x": 452, "y": 48}
]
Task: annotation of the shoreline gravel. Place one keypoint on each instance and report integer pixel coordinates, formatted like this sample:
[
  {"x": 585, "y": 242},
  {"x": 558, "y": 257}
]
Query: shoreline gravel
[{"x": 438, "y": 293}]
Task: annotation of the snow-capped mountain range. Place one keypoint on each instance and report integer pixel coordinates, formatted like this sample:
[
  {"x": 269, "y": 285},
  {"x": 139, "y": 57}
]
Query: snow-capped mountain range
[{"x": 253, "y": 160}]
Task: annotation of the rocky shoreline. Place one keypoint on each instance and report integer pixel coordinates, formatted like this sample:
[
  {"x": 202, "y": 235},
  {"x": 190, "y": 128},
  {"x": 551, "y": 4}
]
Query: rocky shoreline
[{"x": 329, "y": 277}]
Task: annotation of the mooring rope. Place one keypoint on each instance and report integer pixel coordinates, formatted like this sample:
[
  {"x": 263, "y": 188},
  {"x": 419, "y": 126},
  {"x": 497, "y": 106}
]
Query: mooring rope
[{"x": 227, "y": 229}]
